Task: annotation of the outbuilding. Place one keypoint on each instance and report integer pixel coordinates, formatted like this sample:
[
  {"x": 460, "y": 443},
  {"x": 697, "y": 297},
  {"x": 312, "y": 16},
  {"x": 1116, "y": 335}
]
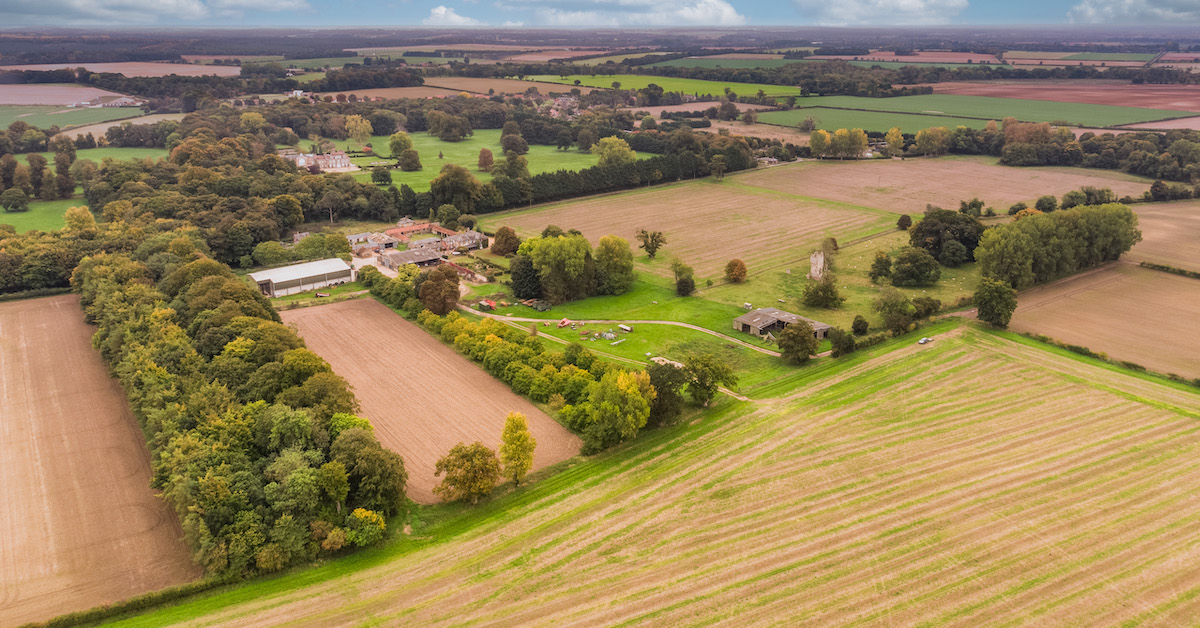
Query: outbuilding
[
  {"x": 767, "y": 320},
  {"x": 419, "y": 257},
  {"x": 285, "y": 280}
]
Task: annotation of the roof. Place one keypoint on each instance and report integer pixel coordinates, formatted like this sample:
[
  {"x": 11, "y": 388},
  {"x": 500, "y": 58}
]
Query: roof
[
  {"x": 412, "y": 256},
  {"x": 766, "y": 316},
  {"x": 301, "y": 271}
]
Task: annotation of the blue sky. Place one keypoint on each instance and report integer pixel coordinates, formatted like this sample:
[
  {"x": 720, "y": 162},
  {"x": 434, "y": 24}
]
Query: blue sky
[{"x": 592, "y": 13}]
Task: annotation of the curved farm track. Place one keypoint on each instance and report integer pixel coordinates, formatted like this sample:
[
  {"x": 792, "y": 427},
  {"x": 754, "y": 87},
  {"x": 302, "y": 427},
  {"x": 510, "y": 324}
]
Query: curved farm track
[{"x": 81, "y": 525}]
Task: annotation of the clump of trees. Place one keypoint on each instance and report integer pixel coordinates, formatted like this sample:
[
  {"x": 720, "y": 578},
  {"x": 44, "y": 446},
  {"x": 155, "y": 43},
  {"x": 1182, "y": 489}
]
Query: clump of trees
[
  {"x": 561, "y": 267},
  {"x": 996, "y": 301},
  {"x": 841, "y": 144},
  {"x": 685, "y": 283},
  {"x": 938, "y": 227},
  {"x": 1043, "y": 247},
  {"x": 253, "y": 438}
]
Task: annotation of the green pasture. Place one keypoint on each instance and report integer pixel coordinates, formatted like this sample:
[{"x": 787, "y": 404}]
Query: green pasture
[
  {"x": 42, "y": 215},
  {"x": 46, "y": 116},
  {"x": 317, "y": 64},
  {"x": 725, "y": 63},
  {"x": 834, "y": 119},
  {"x": 465, "y": 153},
  {"x": 108, "y": 152},
  {"x": 670, "y": 84}
]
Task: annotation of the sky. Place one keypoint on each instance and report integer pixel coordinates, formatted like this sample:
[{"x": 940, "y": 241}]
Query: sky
[{"x": 592, "y": 13}]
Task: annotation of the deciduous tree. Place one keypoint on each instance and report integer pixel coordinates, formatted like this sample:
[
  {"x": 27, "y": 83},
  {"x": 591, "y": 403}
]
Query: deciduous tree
[
  {"x": 996, "y": 302},
  {"x": 705, "y": 373},
  {"x": 516, "y": 447},
  {"x": 651, "y": 241},
  {"x": 614, "y": 265},
  {"x": 471, "y": 471},
  {"x": 735, "y": 271},
  {"x": 505, "y": 242},
  {"x": 797, "y": 342},
  {"x": 399, "y": 142},
  {"x": 614, "y": 151}
]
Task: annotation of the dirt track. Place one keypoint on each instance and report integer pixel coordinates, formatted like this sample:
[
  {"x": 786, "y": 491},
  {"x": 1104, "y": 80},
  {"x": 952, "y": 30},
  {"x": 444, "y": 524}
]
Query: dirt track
[
  {"x": 81, "y": 525},
  {"x": 422, "y": 397}
]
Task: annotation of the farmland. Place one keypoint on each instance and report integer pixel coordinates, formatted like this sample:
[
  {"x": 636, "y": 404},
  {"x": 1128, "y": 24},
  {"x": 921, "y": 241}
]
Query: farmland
[
  {"x": 395, "y": 92},
  {"x": 1131, "y": 313},
  {"x": 100, "y": 128},
  {"x": 906, "y": 186},
  {"x": 834, "y": 119},
  {"x": 51, "y": 94},
  {"x": 499, "y": 86},
  {"x": 1090, "y": 91},
  {"x": 89, "y": 529},
  {"x": 42, "y": 215},
  {"x": 1170, "y": 234},
  {"x": 403, "y": 388},
  {"x": 981, "y": 108},
  {"x": 714, "y": 62},
  {"x": 671, "y": 84},
  {"x": 541, "y": 158},
  {"x": 138, "y": 68},
  {"x": 45, "y": 117},
  {"x": 976, "y": 479},
  {"x": 709, "y": 222}
]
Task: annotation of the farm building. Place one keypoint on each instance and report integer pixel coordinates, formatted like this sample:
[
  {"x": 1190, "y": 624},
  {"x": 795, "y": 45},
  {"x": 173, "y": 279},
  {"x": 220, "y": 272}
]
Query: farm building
[
  {"x": 362, "y": 244},
  {"x": 279, "y": 282},
  {"x": 470, "y": 240},
  {"x": 766, "y": 320},
  {"x": 420, "y": 257}
]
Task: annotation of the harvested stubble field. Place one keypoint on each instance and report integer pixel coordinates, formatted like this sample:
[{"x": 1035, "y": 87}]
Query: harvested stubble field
[
  {"x": 1178, "y": 123},
  {"x": 421, "y": 396},
  {"x": 975, "y": 480},
  {"x": 1130, "y": 313},
  {"x": 137, "y": 68},
  {"x": 906, "y": 186},
  {"x": 1170, "y": 234},
  {"x": 45, "y": 117},
  {"x": 707, "y": 223},
  {"x": 51, "y": 94},
  {"x": 1092, "y": 91},
  {"x": 501, "y": 86},
  {"x": 81, "y": 525},
  {"x": 101, "y": 128}
]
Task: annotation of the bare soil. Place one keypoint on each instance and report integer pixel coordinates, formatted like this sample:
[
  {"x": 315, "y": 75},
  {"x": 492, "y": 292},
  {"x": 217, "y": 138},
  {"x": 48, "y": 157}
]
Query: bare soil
[
  {"x": 502, "y": 86},
  {"x": 396, "y": 92},
  {"x": 51, "y": 94},
  {"x": 1170, "y": 234},
  {"x": 138, "y": 68},
  {"x": 1093, "y": 91},
  {"x": 1178, "y": 123},
  {"x": 1130, "y": 313},
  {"x": 421, "y": 396},
  {"x": 707, "y": 223},
  {"x": 906, "y": 186},
  {"x": 81, "y": 525}
]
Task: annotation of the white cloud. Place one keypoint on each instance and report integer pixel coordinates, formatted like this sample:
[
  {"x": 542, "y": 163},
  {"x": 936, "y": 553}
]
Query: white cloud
[
  {"x": 1135, "y": 11},
  {"x": 880, "y": 12},
  {"x": 446, "y": 16},
  {"x": 630, "y": 12},
  {"x": 133, "y": 11}
]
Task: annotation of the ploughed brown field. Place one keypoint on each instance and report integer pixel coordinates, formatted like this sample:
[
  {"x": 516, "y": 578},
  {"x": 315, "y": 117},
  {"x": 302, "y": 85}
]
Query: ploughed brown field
[
  {"x": 1093, "y": 91},
  {"x": 81, "y": 525},
  {"x": 1178, "y": 123},
  {"x": 1131, "y": 313},
  {"x": 51, "y": 94},
  {"x": 395, "y": 92},
  {"x": 906, "y": 186},
  {"x": 502, "y": 86},
  {"x": 138, "y": 68},
  {"x": 421, "y": 396},
  {"x": 1170, "y": 234},
  {"x": 706, "y": 223}
]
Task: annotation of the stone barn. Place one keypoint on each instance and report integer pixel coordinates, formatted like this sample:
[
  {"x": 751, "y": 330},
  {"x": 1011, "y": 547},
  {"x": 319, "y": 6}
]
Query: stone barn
[{"x": 769, "y": 320}]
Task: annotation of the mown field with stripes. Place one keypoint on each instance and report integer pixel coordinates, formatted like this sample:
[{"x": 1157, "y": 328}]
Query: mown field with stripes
[{"x": 981, "y": 478}]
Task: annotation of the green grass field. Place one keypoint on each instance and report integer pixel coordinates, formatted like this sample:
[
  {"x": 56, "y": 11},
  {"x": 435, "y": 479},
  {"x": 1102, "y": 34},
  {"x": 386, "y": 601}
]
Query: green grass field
[
  {"x": 44, "y": 117},
  {"x": 833, "y": 119},
  {"x": 725, "y": 63},
  {"x": 1111, "y": 56},
  {"x": 670, "y": 84},
  {"x": 983, "y": 478},
  {"x": 99, "y": 154},
  {"x": 42, "y": 215},
  {"x": 981, "y": 108},
  {"x": 465, "y": 153}
]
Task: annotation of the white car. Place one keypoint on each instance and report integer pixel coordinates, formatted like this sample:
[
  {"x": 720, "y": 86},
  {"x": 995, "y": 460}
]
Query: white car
[{"x": 924, "y": 340}]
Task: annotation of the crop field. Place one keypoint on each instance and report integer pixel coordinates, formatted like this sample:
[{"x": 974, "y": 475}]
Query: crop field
[
  {"x": 421, "y": 396},
  {"x": 45, "y": 117},
  {"x": 1170, "y": 234},
  {"x": 617, "y": 58},
  {"x": 395, "y": 92},
  {"x": 975, "y": 480},
  {"x": 1091, "y": 91},
  {"x": 697, "y": 106},
  {"x": 501, "y": 86},
  {"x": 896, "y": 65},
  {"x": 83, "y": 527},
  {"x": 51, "y": 94},
  {"x": 1192, "y": 123},
  {"x": 138, "y": 68},
  {"x": 834, "y": 119},
  {"x": 550, "y": 55},
  {"x": 707, "y": 223},
  {"x": 541, "y": 158},
  {"x": 987, "y": 108},
  {"x": 919, "y": 57},
  {"x": 100, "y": 128},
  {"x": 671, "y": 84},
  {"x": 1111, "y": 56},
  {"x": 1131, "y": 313},
  {"x": 725, "y": 62},
  {"x": 906, "y": 186},
  {"x": 323, "y": 62}
]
